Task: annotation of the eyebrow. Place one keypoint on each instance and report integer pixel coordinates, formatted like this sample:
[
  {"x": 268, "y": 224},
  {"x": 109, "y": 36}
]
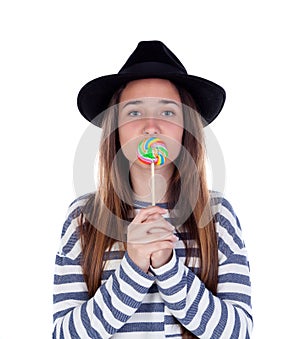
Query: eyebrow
[
  {"x": 163, "y": 101},
  {"x": 132, "y": 102}
]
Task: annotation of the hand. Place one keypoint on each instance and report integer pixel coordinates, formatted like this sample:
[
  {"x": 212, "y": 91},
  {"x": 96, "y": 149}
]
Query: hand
[
  {"x": 161, "y": 257},
  {"x": 148, "y": 233}
]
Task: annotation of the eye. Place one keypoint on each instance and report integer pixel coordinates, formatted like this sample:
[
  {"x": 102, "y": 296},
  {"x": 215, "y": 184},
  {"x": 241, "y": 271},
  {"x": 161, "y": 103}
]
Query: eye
[
  {"x": 134, "y": 114},
  {"x": 167, "y": 113}
]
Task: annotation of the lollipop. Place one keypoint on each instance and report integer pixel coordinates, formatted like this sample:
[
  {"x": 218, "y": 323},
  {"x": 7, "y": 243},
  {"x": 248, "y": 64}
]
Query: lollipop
[{"x": 152, "y": 151}]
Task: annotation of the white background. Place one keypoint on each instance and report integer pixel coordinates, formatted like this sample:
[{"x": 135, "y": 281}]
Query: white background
[{"x": 49, "y": 49}]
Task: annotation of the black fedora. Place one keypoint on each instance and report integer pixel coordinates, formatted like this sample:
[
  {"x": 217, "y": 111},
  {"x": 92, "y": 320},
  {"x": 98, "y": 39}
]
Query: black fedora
[{"x": 150, "y": 59}]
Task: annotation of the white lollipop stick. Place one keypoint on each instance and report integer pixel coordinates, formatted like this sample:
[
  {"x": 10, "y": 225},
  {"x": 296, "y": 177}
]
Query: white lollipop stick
[{"x": 152, "y": 184}]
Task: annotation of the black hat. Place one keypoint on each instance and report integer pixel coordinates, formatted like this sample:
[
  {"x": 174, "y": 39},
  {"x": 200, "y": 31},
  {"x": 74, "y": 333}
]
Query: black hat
[{"x": 150, "y": 59}]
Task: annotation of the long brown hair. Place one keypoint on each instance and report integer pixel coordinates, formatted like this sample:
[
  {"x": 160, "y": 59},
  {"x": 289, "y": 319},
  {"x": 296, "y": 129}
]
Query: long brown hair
[{"x": 108, "y": 211}]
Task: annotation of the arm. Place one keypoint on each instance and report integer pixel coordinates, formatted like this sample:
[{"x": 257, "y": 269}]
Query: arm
[
  {"x": 77, "y": 316},
  {"x": 227, "y": 315}
]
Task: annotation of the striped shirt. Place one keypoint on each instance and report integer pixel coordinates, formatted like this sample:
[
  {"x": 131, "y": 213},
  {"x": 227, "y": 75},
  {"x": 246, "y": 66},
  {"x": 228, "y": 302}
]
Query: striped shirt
[{"x": 132, "y": 304}]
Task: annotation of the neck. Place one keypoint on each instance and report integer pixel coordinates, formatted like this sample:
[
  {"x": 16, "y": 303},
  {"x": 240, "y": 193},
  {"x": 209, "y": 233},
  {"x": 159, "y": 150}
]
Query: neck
[{"x": 141, "y": 182}]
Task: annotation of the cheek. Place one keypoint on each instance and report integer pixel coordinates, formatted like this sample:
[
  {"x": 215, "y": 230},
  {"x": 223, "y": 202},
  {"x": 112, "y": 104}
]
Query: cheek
[
  {"x": 126, "y": 132},
  {"x": 177, "y": 134},
  {"x": 129, "y": 141},
  {"x": 175, "y": 142}
]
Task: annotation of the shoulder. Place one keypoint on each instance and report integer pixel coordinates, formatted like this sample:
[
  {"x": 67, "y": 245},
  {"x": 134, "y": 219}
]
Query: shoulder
[
  {"x": 75, "y": 209},
  {"x": 81, "y": 201},
  {"x": 228, "y": 228},
  {"x": 69, "y": 236},
  {"x": 223, "y": 210}
]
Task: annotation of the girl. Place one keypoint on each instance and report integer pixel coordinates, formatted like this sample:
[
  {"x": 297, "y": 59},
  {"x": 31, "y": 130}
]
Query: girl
[{"x": 126, "y": 269}]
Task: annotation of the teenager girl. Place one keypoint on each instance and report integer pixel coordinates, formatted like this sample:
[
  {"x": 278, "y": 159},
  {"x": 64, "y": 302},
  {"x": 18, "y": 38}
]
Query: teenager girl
[{"x": 126, "y": 269}]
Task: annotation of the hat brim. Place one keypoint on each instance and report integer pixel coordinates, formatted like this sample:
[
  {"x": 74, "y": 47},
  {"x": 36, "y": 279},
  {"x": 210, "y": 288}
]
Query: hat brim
[{"x": 94, "y": 97}]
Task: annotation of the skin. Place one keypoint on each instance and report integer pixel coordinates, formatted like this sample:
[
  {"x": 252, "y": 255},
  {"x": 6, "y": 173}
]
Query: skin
[{"x": 150, "y": 236}]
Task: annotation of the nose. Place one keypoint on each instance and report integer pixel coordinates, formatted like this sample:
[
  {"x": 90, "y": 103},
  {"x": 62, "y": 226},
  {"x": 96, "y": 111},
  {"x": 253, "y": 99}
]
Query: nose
[{"x": 151, "y": 126}]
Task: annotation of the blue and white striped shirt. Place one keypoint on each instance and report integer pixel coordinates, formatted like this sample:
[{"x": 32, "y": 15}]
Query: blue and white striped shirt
[{"x": 133, "y": 304}]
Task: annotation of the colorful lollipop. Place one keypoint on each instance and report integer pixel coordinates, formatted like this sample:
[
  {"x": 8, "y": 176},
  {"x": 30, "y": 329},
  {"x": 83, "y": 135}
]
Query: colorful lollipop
[{"x": 152, "y": 151}]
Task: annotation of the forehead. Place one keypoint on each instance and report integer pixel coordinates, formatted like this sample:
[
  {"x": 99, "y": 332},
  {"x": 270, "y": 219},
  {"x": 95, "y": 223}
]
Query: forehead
[{"x": 154, "y": 88}]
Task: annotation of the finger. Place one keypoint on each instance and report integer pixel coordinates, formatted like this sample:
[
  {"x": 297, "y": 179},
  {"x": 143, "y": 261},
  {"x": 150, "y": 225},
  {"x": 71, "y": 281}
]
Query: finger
[
  {"x": 147, "y": 228},
  {"x": 153, "y": 238},
  {"x": 158, "y": 236},
  {"x": 145, "y": 213},
  {"x": 160, "y": 223},
  {"x": 148, "y": 237},
  {"x": 161, "y": 245},
  {"x": 161, "y": 237},
  {"x": 153, "y": 217}
]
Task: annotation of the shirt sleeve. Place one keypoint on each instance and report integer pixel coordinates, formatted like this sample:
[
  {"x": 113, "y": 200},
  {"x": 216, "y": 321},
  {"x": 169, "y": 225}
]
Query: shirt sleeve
[
  {"x": 226, "y": 315},
  {"x": 78, "y": 316}
]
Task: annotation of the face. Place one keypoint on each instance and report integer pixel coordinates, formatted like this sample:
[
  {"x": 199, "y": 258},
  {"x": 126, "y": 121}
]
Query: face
[{"x": 150, "y": 107}]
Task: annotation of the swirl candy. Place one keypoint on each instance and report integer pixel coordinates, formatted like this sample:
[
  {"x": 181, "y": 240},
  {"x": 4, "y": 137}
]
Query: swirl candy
[{"x": 152, "y": 150}]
